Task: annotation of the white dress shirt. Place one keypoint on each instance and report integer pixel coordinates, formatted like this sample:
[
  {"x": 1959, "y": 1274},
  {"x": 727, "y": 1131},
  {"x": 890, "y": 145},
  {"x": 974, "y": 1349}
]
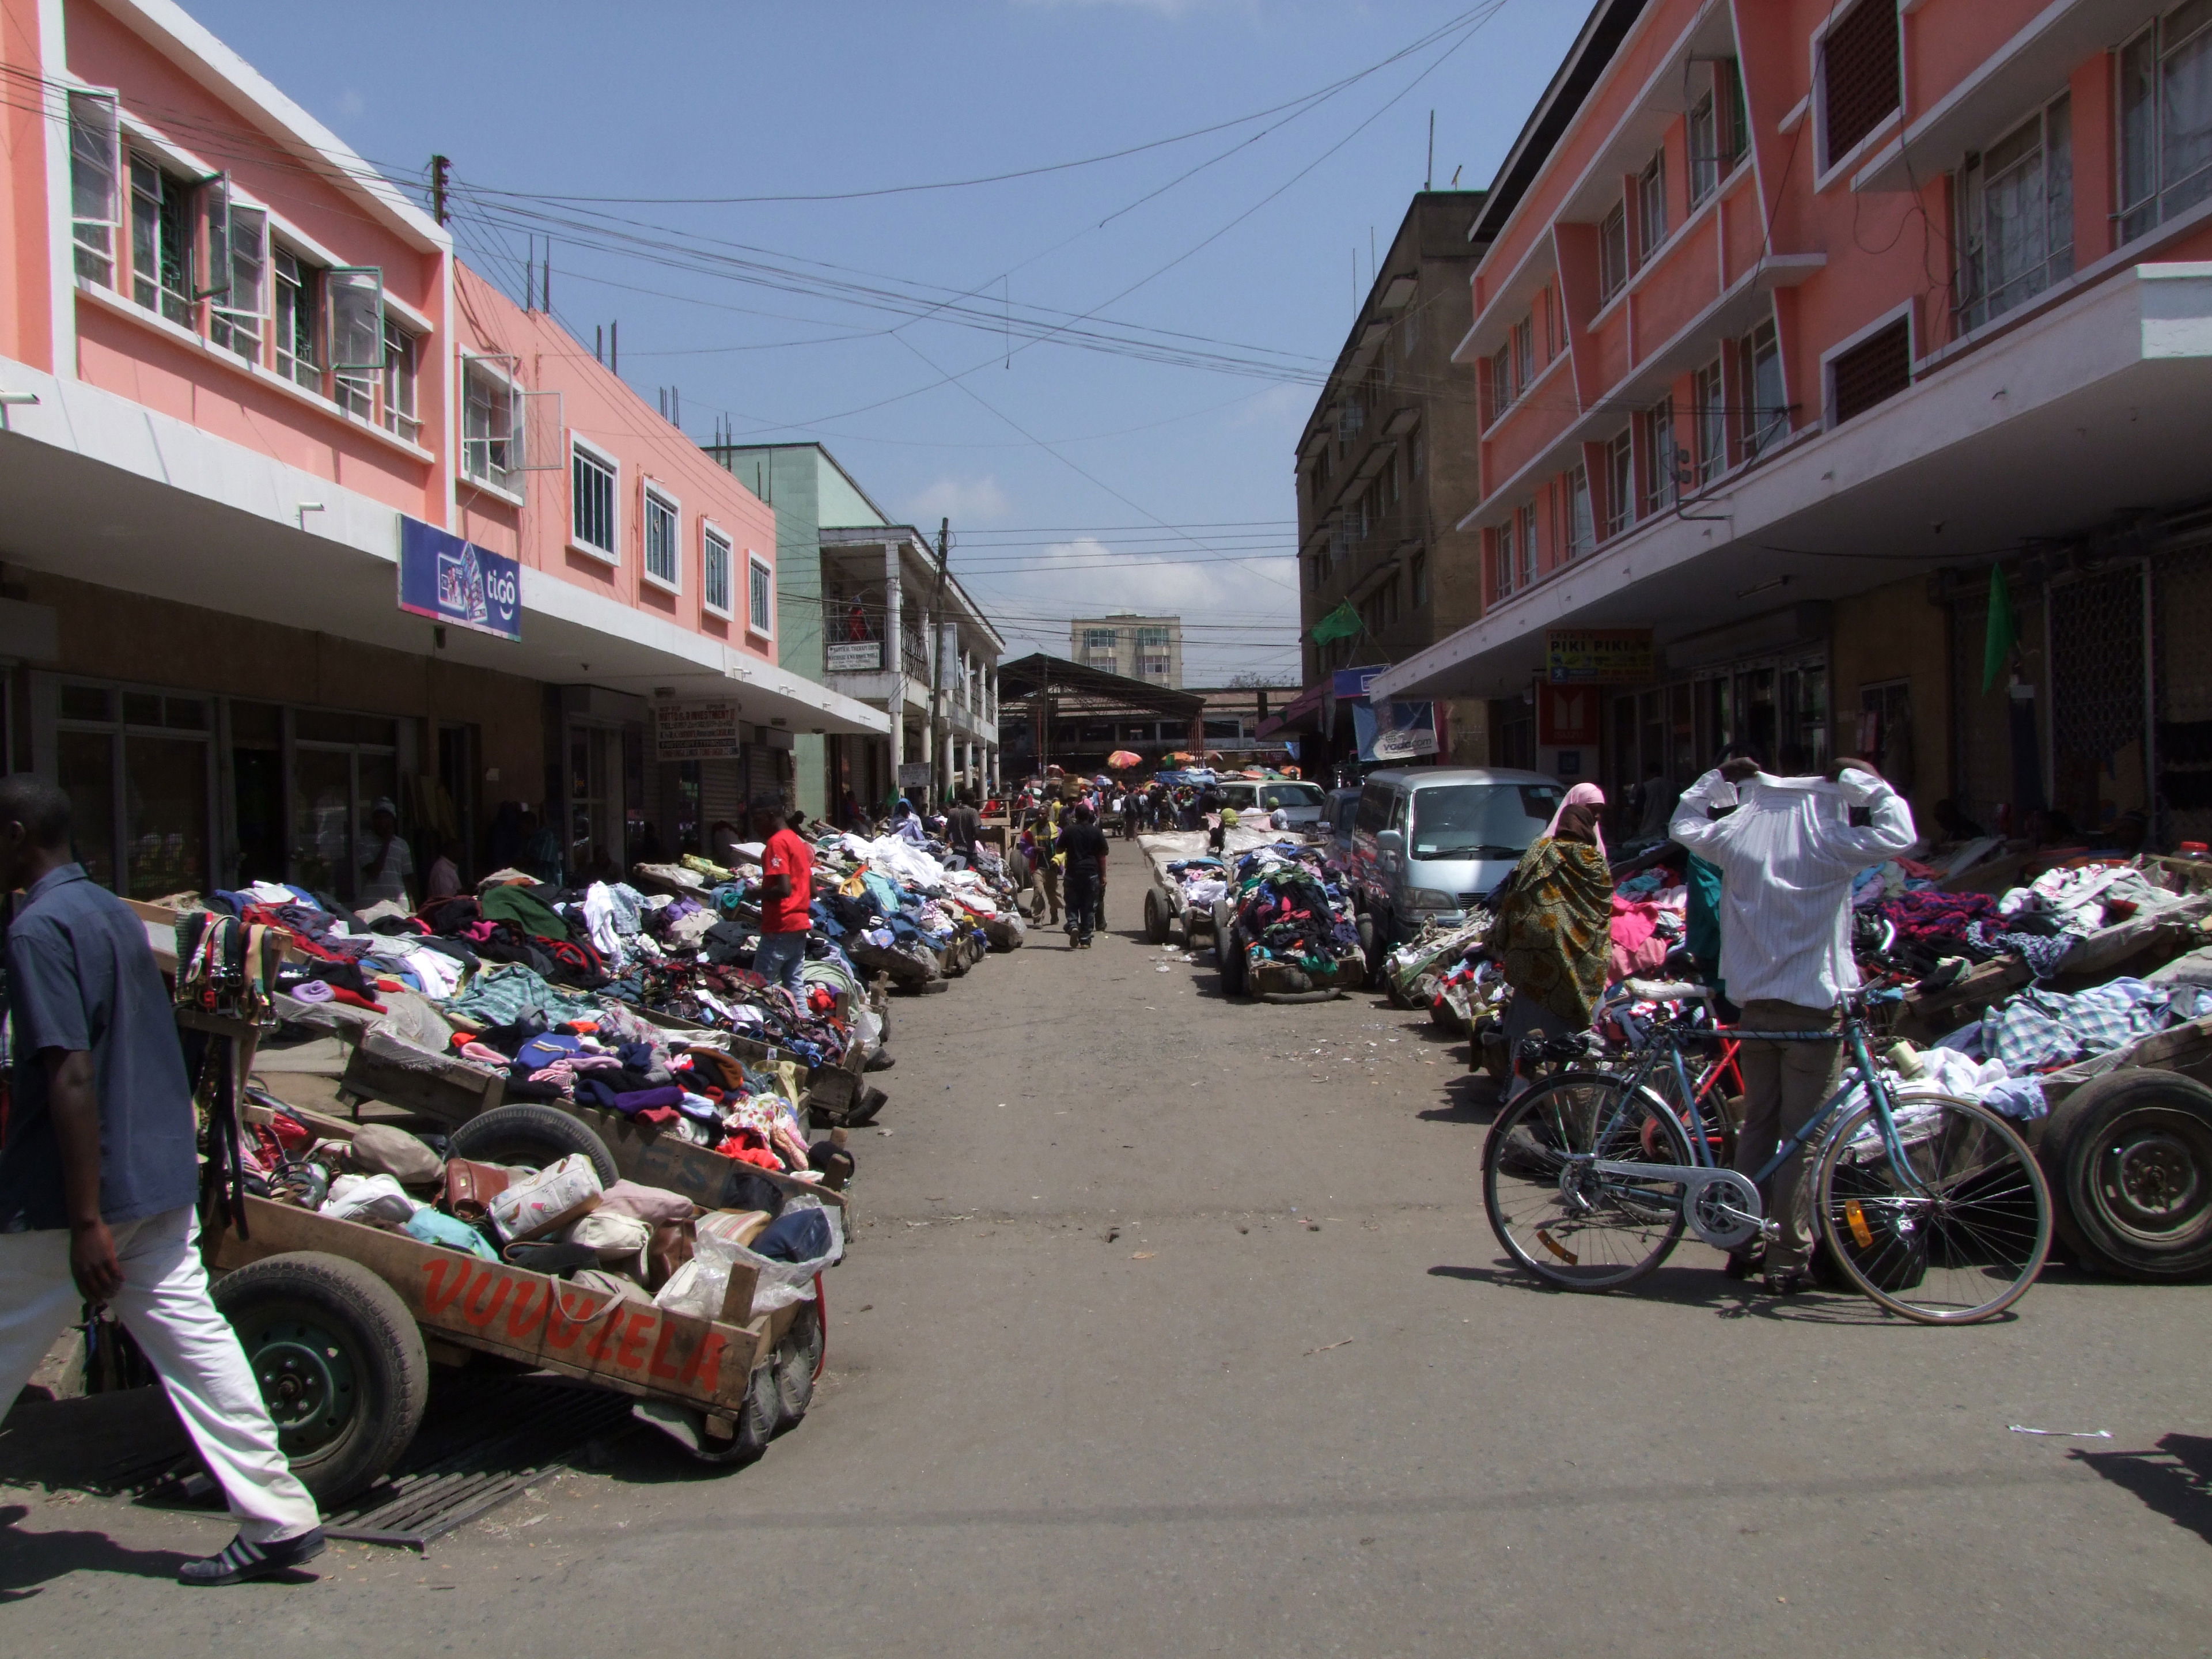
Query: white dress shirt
[{"x": 1786, "y": 857}]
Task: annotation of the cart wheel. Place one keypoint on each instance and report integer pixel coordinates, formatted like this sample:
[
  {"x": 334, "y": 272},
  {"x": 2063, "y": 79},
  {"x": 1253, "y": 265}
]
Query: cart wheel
[
  {"x": 1371, "y": 949},
  {"x": 532, "y": 1136},
  {"x": 2128, "y": 1156},
  {"x": 339, "y": 1361},
  {"x": 1156, "y": 920},
  {"x": 794, "y": 1364},
  {"x": 1236, "y": 969}
]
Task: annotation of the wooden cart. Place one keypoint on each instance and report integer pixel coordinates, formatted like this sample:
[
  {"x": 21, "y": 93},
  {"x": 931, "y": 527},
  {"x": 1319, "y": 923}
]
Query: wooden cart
[{"x": 1168, "y": 912}]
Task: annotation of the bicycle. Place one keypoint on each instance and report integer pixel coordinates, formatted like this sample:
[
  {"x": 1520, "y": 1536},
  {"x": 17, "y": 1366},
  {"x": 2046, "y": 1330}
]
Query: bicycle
[{"x": 1933, "y": 1207}]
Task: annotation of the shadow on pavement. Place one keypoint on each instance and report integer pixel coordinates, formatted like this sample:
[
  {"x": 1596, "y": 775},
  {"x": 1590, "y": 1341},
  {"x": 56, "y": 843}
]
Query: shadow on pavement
[
  {"x": 2175, "y": 1480},
  {"x": 1695, "y": 1287},
  {"x": 31, "y": 1560}
]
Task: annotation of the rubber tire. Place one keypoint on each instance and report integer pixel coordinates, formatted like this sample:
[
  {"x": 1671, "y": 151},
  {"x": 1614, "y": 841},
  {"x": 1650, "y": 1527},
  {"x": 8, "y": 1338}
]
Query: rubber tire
[
  {"x": 531, "y": 1137},
  {"x": 1371, "y": 949},
  {"x": 795, "y": 1358},
  {"x": 1156, "y": 920},
  {"x": 383, "y": 1343},
  {"x": 1228, "y": 951},
  {"x": 2079, "y": 1126}
]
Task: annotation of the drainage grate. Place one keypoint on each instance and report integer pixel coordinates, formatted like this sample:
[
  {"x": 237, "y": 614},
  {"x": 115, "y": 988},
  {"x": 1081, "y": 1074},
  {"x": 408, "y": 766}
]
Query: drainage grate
[{"x": 483, "y": 1441}]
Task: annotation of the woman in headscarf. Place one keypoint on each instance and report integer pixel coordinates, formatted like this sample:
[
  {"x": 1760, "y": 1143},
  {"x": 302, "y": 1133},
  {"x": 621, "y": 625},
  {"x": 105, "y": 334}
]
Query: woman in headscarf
[{"x": 1554, "y": 936}]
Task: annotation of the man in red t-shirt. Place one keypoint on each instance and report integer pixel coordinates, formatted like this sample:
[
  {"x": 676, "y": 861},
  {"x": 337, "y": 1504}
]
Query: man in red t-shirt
[{"x": 787, "y": 894}]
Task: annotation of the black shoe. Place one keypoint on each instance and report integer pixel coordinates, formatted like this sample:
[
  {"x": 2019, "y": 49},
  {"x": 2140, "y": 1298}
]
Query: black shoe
[
  {"x": 1746, "y": 1264},
  {"x": 1789, "y": 1281},
  {"x": 240, "y": 1560},
  {"x": 879, "y": 1061}
]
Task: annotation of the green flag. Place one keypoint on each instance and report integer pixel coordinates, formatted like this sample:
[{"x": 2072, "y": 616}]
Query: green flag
[
  {"x": 1341, "y": 624},
  {"x": 2003, "y": 631}
]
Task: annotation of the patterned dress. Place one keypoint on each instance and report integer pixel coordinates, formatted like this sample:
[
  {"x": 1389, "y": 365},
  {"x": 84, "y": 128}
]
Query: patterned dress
[{"x": 1554, "y": 932}]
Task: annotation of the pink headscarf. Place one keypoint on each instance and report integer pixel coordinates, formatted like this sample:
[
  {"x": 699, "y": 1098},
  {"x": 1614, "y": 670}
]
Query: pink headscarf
[{"x": 1583, "y": 794}]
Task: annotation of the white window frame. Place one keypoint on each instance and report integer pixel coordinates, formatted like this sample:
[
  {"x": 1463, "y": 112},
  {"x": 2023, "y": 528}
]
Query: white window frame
[
  {"x": 657, "y": 494},
  {"x": 306, "y": 373},
  {"x": 760, "y": 575},
  {"x": 1620, "y": 493},
  {"x": 710, "y": 534},
  {"x": 580, "y": 446},
  {"x": 1709, "y": 421},
  {"x": 93, "y": 240},
  {"x": 1581, "y": 521},
  {"x": 502, "y": 481},
  {"x": 1613, "y": 271},
  {"x": 1651, "y": 214},
  {"x": 403, "y": 373}
]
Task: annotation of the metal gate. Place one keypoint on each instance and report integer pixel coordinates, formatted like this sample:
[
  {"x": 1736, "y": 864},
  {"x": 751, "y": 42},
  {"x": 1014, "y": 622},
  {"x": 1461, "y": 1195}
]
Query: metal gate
[
  {"x": 2182, "y": 692},
  {"x": 2100, "y": 694}
]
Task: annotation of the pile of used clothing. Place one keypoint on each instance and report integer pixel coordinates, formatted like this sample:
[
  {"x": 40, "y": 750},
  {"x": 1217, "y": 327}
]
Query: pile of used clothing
[
  {"x": 1289, "y": 908},
  {"x": 625, "y": 1239},
  {"x": 1202, "y": 881}
]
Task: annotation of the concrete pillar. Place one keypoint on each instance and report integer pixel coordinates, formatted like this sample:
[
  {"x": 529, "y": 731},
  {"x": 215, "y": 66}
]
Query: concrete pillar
[{"x": 894, "y": 665}]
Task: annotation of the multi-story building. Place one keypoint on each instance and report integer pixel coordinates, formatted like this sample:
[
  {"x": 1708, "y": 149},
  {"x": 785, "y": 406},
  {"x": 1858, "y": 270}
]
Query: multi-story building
[
  {"x": 821, "y": 583},
  {"x": 1148, "y": 648},
  {"x": 298, "y": 515},
  {"x": 1386, "y": 469},
  {"x": 1795, "y": 324}
]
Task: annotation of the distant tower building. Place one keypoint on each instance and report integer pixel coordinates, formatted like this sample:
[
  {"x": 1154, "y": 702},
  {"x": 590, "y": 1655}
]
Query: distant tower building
[{"x": 1141, "y": 647}]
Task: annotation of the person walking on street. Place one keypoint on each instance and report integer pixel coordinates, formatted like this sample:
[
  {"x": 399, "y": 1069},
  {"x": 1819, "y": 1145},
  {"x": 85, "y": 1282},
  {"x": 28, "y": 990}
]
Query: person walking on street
[
  {"x": 1084, "y": 845},
  {"x": 1048, "y": 847},
  {"x": 787, "y": 898},
  {"x": 1554, "y": 936},
  {"x": 98, "y": 1178},
  {"x": 963, "y": 830},
  {"x": 1787, "y": 854}
]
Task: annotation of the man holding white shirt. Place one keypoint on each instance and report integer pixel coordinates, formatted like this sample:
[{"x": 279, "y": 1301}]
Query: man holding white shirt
[{"x": 1786, "y": 856}]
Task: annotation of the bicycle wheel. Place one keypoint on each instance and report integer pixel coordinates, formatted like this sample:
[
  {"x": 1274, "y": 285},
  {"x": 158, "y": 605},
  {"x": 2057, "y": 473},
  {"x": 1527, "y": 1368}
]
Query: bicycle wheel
[
  {"x": 1959, "y": 1234},
  {"x": 1567, "y": 1224}
]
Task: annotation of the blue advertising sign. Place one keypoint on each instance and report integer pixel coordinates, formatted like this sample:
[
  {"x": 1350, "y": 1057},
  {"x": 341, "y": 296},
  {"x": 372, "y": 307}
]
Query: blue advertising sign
[
  {"x": 1349, "y": 683},
  {"x": 457, "y": 582}
]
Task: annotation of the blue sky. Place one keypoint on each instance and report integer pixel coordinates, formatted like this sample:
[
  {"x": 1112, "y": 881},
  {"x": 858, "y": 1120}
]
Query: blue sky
[{"x": 1076, "y": 479}]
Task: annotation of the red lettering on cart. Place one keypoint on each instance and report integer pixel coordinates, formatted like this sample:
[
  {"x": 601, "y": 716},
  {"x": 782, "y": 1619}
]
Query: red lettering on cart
[
  {"x": 660, "y": 1366},
  {"x": 602, "y": 1341},
  {"x": 474, "y": 1307},
  {"x": 527, "y": 1310},
  {"x": 632, "y": 1354},
  {"x": 568, "y": 1315},
  {"x": 448, "y": 1277},
  {"x": 705, "y": 1371}
]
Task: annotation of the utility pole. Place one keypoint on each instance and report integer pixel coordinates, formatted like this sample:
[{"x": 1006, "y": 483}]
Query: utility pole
[
  {"x": 940, "y": 733},
  {"x": 440, "y": 166},
  {"x": 1429, "y": 181}
]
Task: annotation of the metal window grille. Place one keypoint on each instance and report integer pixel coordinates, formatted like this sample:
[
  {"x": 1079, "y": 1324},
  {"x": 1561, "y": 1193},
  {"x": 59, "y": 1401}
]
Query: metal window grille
[
  {"x": 1876, "y": 369},
  {"x": 660, "y": 530},
  {"x": 2181, "y": 691},
  {"x": 715, "y": 573},
  {"x": 1859, "y": 77},
  {"x": 591, "y": 483}
]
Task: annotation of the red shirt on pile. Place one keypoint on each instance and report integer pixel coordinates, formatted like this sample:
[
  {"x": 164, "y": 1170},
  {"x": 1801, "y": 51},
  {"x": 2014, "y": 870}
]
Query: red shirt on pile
[{"x": 787, "y": 854}]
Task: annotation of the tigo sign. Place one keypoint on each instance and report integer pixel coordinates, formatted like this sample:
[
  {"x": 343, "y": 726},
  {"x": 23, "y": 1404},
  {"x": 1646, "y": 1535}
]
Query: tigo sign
[{"x": 457, "y": 582}]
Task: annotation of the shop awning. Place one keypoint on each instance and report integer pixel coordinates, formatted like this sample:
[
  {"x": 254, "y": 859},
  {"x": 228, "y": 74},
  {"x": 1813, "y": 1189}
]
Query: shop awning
[
  {"x": 1301, "y": 714},
  {"x": 1025, "y": 676},
  {"x": 2091, "y": 411},
  {"x": 102, "y": 490}
]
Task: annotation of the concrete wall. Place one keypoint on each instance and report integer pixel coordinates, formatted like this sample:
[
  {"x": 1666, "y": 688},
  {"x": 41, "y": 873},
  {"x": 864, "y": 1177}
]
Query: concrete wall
[{"x": 1888, "y": 634}]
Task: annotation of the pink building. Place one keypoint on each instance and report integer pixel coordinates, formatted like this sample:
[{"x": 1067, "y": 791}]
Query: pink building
[
  {"x": 263, "y": 444},
  {"x": 1793, "y": 322}
]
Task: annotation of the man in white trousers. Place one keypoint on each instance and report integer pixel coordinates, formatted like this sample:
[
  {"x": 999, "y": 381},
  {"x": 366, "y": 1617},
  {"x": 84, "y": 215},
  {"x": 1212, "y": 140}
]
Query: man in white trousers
[{"x": 98, "y": 1176}]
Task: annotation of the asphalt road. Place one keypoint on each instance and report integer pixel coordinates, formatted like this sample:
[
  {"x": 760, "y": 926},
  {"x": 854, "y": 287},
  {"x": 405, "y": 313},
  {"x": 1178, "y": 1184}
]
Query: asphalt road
[{"x": 1172, "y": 1326}]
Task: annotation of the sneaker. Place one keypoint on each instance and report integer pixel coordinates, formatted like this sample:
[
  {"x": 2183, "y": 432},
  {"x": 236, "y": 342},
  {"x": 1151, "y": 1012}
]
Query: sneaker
[
  {"x": 1789, "y": 1281},
  {"x": 240, "y": 1560}
]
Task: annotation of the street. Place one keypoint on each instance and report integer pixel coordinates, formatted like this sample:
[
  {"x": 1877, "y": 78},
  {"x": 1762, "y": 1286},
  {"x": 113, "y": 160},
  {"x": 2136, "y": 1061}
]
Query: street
[{"x": 1173, "y": 1325}]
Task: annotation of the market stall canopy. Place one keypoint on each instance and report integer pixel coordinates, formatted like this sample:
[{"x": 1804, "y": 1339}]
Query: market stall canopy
[
  {"x": 1061, "y": 679},
  {"x": 1301, "y": 714},
  {"x": 1123, "y": 759}
]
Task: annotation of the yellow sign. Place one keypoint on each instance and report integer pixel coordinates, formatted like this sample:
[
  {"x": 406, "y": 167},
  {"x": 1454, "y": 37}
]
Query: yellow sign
[{"x": 1599, "y": 656}]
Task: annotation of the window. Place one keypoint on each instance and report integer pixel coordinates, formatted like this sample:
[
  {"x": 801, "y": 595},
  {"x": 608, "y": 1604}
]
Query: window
[
  {"x": 1524, "y": 354},
  {"x": 354, "y": 296},
  {"x": 1620, "y": 482},
  {"x": 1877, "y": 368},
  {"x": 1613, "y": 252},
  {"x": 398, "y": 390},
  {"x": 1508, "y": 565},
  {"x": 1709, "y": 406},
  {"x": 592, "y": 479},
  {"x": 1524, "y": 543},
  {"x": 715, "y": 573},
  {"x": 1582, "y": 530},
  {"x": 1414, "y": 452},
  {"x": 1098, "y": 639},
  {"x": 661, "y": 558},
  {"x": 236, "y": 318},
  {"x": 1501, "y": 381},
  {"x": 136, "y": 767},
  {"x": 297, "y": 360},
  {"x": 1859, "y": 78},
  {"x": 1550, "y": 306},
  {"x": 161, "y": 241},
  {"x": 490, "y": 415},
  {"x": 1718, "y": 134},
  {"x": 95, "y": 184},
  {"x": 2016, "y": 216},
  {"x": 1409, "y": 332},
  {"x": 1652, "y": 207},
  {"x": 1658, "y": 423},
  {"x": 1152, "y": 668},
  {"x": 2166, "y": 119},
  {"x": 1765, "y": 417},
  {"x": 1152, "y": 639},
  {"x": 762, "y": 618},
  {"x": 1418, "y": 573}
]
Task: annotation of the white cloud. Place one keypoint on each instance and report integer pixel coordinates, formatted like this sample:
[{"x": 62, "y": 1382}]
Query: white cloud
[{"x": 964, "y": 500}]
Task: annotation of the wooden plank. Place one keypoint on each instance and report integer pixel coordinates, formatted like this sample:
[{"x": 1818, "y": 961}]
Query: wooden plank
[
  {"x": 614, "y": 1341},
  {"x": 653, "y": 1159},
  {"x": 382, "y": 1067}
]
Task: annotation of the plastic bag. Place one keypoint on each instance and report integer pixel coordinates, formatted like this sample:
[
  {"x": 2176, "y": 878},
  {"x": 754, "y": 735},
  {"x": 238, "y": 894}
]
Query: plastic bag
[
  {"x": 782, "y": 1283},
  {"x": 537, "y": 1200},
  {"x": 370, "y": 1199}
]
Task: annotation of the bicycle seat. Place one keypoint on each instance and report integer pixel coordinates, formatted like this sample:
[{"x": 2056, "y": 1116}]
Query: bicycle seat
[{"x": 1649, "y": 990}]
